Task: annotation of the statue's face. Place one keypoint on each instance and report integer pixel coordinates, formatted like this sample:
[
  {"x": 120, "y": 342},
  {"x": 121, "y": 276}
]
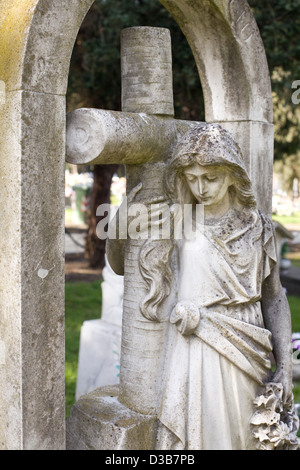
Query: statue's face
[{"x": 208, "y": 184}]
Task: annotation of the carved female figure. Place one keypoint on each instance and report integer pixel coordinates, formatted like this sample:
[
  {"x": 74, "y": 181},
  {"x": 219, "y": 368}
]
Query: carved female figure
[{"x": 230, "y": 312}]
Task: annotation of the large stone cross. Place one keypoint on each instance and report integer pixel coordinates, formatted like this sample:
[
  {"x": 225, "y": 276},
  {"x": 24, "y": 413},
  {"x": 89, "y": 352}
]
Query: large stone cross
[{"x": 142, "y": 136}]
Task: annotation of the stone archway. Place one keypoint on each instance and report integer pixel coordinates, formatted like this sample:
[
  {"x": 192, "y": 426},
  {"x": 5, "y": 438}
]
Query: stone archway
[
  {"x": 36, "y": 42},
  {"x": 37, "y": 39}
]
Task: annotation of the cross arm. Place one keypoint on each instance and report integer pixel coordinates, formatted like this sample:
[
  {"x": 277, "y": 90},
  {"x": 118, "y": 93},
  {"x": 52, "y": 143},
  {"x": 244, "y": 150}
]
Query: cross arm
[{"x": 104, "y": 137}]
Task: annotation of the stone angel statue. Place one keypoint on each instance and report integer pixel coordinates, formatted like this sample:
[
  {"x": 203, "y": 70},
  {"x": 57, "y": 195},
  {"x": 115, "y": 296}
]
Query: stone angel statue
[{"x": 219, "y": 390}]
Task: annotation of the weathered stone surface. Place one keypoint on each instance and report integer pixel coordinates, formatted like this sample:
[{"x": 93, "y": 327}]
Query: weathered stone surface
[
  {"x": 36, "y": 41},
  {"x": 230, "y": 56},
  {"x": 146, "y": 61},
  {"x": 234, "y": 74},
  {"x": 256, "y": 140},
  {"x": 142, "y": 340},
  {"x": 99, "y": 421},
  {"x": 98, "y": 136},
  {"x": 207, "y": 324},
  {"x": 10, "y": 266},
  {"x": 32, "y": 238},
  {"x": 42, "y": 270},
  {"x": 135, "y": 390}
]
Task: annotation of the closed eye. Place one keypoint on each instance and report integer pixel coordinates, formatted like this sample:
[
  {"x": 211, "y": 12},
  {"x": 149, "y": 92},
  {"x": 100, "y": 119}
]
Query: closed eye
[
  {"x": 211, "y": 178},
  {"x": 191, "y": 178}
]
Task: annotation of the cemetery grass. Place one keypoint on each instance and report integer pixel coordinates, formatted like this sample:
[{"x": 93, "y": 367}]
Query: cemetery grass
[
  {"x": 294, "y": 303},
  {"x": 83, "y": 302},
  {"x": 287, "y": 219}
]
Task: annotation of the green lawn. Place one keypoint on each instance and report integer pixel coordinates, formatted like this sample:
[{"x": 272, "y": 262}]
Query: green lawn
[
  {"x": 295, "y": 262},
  {"x": 83, "y": 302},
  {"x": 287, "y": 219},
  {"x": 294, "y": 303}
]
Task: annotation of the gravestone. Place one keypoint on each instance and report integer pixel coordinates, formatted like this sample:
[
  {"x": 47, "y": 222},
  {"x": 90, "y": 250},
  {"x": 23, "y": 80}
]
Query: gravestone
[
  {"x": 143, "y": 137},
  {"x": 36, "y": 41},
  {"x": 100, "y": 339}
]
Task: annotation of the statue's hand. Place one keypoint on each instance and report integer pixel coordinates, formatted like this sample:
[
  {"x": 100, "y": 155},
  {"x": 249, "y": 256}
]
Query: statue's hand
[
  {"x": 133, "y": 193},
  {"x": 284, "y": 376},
  {"x": 186, "y": 316},
  {"x": 150, "y": 216}
]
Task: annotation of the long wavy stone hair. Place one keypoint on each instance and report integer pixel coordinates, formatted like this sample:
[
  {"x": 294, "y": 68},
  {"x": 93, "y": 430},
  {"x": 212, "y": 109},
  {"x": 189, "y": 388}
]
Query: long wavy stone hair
[{"x": 207, "y": 144}]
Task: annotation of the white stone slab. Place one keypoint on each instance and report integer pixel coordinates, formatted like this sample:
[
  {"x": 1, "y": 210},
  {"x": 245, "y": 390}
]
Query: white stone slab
[{"x": 99, "y": 356}]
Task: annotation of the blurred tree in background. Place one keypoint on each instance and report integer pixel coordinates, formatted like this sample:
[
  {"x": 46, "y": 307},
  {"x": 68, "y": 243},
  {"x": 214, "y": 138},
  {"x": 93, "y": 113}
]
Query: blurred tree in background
[
  {"x": 95, "y": 75},
  {"x": 279, "y": 24}
]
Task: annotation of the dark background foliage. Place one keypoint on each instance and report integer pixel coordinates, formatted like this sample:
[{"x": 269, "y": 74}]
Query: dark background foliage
[{"x": 95, "y": 76}]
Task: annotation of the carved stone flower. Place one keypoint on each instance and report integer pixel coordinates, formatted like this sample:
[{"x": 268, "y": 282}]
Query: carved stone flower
[
  {"x": 274, "y": 425},
  {"x": 280, "y": 435}
]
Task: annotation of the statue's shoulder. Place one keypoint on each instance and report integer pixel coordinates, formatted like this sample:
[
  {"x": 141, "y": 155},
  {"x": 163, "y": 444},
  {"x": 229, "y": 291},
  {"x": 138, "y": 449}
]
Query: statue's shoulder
[
  {"x": 268, "y": 237},
  {"x": 266, "y": 222},
  {"x": 255, "y": 218},
  {"x": 261, "y": 225}
]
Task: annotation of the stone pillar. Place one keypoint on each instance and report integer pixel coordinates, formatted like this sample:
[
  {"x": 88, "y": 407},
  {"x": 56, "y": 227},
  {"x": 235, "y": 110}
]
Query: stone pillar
[
  {"x": 36, "y": 42},
  {"x": 147, "y": 88},
  {"x": 32, "y": 269},
  {"x": 147, "y": 85},
  {"x": 146, "y": 61}
]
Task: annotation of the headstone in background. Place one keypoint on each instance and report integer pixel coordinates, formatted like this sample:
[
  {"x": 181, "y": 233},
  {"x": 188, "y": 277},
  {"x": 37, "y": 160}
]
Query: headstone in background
[{"x": 100, "y": 339}]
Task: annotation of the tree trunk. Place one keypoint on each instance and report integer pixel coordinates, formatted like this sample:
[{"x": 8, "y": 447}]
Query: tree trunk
[{"x": 94, "y": 247}]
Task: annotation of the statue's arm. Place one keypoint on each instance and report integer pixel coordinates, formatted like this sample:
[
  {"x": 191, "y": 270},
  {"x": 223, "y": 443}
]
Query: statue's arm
[
  {"x": 115, "y": 251},
  {"x": 115, "y": 255},
  {"x": 277, "y": 319},
  {"x": 115, "y": 248}
]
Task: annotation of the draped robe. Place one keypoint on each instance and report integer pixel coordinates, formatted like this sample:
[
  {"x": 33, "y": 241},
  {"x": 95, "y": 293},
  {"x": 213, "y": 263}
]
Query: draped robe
[{"x": 212, "y": 376}]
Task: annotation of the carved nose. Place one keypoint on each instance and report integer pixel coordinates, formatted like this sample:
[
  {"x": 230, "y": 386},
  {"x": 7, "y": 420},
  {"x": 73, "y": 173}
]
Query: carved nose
[{"x": 201, "y": 187}]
